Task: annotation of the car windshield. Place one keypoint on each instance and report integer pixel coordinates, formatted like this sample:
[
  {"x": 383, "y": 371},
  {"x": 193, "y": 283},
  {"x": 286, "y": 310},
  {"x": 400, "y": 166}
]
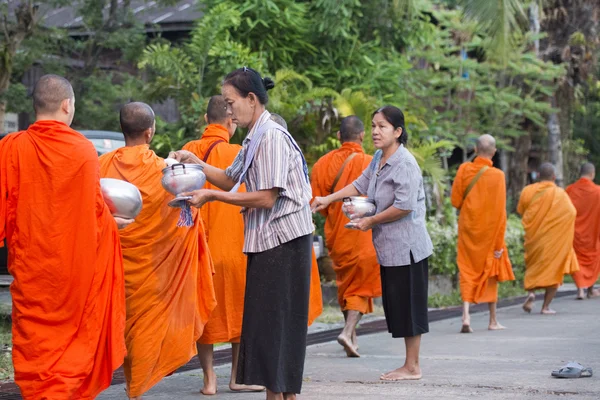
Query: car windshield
[{"x": 106, "y": 145}]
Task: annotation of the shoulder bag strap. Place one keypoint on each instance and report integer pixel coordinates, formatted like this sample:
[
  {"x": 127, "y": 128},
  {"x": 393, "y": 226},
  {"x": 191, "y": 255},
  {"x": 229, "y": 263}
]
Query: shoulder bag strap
[
  {"x": 474, "y": 181},
  {"x": 339, "y": 174},
  {"x": 212, "y": 146}
]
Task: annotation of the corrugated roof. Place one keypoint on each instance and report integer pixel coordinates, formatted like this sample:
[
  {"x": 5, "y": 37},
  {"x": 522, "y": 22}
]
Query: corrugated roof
[{"x": 146, "y": 11}]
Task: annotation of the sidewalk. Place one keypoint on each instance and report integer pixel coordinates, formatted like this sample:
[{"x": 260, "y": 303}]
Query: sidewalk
[{"x": 511, "y": 364}]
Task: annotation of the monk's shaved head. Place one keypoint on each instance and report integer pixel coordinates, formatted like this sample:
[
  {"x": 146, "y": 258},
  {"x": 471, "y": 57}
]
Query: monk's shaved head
[
  {"x": 49, "y": 93},
  {"x": 279, "y": 119},
  {"x": 216, "y": 112},
  {"x": 351, "y": 128},
  {"x": 588, "y": 170},
  {"x": 486, "y": 146},
  {"x": 135, "y": 119},
  {"x": 547, "y": 172}
]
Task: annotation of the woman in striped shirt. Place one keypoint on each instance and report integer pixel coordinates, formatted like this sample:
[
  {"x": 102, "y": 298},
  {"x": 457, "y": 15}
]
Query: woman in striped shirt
[{"x": 278, "y": 237}]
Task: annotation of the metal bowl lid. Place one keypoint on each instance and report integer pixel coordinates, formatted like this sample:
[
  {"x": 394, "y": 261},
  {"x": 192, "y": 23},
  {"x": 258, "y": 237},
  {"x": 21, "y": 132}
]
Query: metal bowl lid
[
  {"x": 358, "y": 199},
  {"x": 182, "y": 167}
]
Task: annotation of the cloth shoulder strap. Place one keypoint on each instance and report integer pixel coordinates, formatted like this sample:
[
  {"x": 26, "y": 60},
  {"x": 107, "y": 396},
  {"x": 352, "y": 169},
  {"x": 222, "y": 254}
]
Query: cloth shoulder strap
[
  {"x": 339, "y": 174},
  {"x": 212, "y": 146},
  {"x": 474, "y": 181}
]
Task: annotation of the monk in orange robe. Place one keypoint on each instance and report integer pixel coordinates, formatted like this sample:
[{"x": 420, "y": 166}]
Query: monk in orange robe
[
  {"x": 64, "y": 253},
  {"x": 585, "y": 196},
  {"x": 352, "y": 252},
  {"x": 315, "y": 301},
  {"x": 548, "y": 217},
  {"x": 479, "y": 192},
  {"x": 225, "y": 234},
  {"x": 168, "y": 269}
]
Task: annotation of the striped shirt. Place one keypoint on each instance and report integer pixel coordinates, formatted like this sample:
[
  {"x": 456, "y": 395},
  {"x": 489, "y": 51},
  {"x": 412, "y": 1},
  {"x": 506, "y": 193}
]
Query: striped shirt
[
  {"x": 276, "y": 164},
  {"x": 398, "y": 183}
]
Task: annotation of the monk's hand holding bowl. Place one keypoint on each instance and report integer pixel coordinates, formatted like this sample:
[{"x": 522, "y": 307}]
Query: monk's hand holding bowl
[
  {"x": 363, "y": 224},
  {"x": 498, "y": 253},
  {"x": 320, "y": 203},
  {"x": 122, "y": 222},
  {"x": 200, "y": 197}
]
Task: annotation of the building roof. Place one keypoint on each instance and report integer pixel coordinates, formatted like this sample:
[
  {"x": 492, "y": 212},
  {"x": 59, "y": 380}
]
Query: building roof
[{"x": 155, "y": 17}]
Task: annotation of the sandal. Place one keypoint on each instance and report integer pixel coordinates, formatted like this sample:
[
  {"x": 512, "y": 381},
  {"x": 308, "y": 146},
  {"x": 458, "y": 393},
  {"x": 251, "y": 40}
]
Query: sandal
[{"x": 573, "y": 370}]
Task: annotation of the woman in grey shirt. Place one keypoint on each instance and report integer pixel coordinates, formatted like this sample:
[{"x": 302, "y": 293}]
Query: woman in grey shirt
[{"x": 394, "y": 181}]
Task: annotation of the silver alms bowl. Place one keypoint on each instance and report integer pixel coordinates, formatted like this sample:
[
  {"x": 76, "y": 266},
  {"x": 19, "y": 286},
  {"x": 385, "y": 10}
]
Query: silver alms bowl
[
  {"x": 180, "y": 178},
  {"x": 123, "y": 199},
  {"x": 358, "y": 207}
]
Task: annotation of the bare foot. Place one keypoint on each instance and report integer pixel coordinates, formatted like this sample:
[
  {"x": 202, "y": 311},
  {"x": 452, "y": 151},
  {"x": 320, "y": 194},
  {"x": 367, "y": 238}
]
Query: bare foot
[
  {"x": 548, "y": 311},
  {"x": 210, "y": 384},
  {"x": 593, "y": 293},
  {"x": 235, "y": 387},
  {"x": 579, "y": 294},
  {"x": 354, "y": 340},
  {"x": 496, "y": 327},
  {"x": 466, "y": 328},
  {"x": 402, "y": 374},
  {"x": 528, "y": 305},
  {"x": 347, "y": 343}
]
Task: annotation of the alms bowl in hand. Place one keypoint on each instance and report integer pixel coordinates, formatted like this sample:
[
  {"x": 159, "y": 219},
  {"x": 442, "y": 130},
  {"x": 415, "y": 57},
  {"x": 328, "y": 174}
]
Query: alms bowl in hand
[
  {"x": 123, "y": 199},
  {"x": 180, "y": 178},
  {"x": 358, "y": 207}
]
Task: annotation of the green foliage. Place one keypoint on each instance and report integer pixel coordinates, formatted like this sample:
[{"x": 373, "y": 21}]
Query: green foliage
[
  {"x": 515, "y": 236},
  {"x": 444, "y": 237}
]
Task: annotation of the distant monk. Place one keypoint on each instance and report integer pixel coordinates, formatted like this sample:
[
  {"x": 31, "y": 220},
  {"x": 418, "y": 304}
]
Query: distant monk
[
  {"x": 68, "y": 293},
  {"x": 585, "y": 196},
  {"x": 479, "y": 192},
  {"x": 225, "y": 233},
  {"x": 168, "y": 269},
  {"x": 352, "y": 252},
  {"x": 548, "y": 217},
  {"x": 315, "y": 305}
]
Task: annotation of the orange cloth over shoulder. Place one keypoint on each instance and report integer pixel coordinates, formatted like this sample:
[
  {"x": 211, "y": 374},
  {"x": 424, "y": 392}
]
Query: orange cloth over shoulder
[
  {"x": 64, "y": 254},
  {"x": 352, "y": 252},
  {"x": 481, "y": 229},
  {"x": 168, "y": 274},
  {"x": 548, "y": 217},
  {"x": 315, "y": 300},
  {"x": 225, "y": 233},
  {"x": 585, "y": 196}
]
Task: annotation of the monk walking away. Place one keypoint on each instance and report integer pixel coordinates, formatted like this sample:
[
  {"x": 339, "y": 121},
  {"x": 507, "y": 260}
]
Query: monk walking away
[
  {"x": 585, "y": 196},
  {"x": 225, "y": 234},
  {"x": 64, "y": 254},
  {"x": 168, "y": 269},
  {"x": 548, "y": 217},
  {"x": 352, "y": 252},
  {"x": 479, "y": 193}
]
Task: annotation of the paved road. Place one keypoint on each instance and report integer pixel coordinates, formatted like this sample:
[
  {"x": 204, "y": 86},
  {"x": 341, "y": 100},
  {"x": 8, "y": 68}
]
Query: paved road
[{"x": 511, "y": 364}]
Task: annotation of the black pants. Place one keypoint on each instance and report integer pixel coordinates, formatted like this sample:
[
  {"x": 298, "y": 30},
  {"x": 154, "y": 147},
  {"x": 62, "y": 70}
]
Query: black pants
[
  {"x": 273, "y": 343},
  {"x": 404, "y": 298}
]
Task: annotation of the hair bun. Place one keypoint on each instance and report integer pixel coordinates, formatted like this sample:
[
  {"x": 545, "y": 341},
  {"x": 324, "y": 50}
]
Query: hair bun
[{"x": 268, "y": 83}]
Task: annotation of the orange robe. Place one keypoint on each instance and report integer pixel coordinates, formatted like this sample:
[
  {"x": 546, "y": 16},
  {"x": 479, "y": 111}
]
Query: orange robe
[
  {"x": 548, "y": 217},
  {"x": 585, "y": 196},
  {"x": 481, "y": 229},
  {"x": 352, "y": 252},
  {"x": 64, "y": 254},
  {"x": 168, "y": 274},
  {"x": 225, "y": 232}
]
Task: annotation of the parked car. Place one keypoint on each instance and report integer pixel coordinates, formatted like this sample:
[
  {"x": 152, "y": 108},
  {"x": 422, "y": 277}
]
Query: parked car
[{"x": 104, "y": 142}]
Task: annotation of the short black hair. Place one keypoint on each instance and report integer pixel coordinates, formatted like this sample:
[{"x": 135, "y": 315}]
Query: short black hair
[
  {"x": 394, "y": 116},
  {"x": 587, "y": 169},
  {"x": 246, "y": 80},
  {"x": 547, "y": 172},
  {"x": 351, "y": 128},
  {"x": 135, "y": 118},
  {"x": 216, "y": 111},
  {"x": 49, "y": 92}
]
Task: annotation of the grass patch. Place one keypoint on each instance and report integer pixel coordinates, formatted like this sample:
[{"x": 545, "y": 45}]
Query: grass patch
[
  {"x": 6, "y": 365},
  {"x": 333, "y": 314},
  {"x": 505, "y": 290}
]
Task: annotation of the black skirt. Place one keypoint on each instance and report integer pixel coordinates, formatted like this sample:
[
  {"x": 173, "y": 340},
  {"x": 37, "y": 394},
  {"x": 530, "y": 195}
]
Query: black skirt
[
  {"x": 404, "y": 297},
  {"x": 273, "y": 343}
]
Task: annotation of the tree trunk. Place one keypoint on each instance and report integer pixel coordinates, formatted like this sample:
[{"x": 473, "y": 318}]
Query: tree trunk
[
  {"x": 555, "y": 145},
  {"x": 2, "y": 114}
]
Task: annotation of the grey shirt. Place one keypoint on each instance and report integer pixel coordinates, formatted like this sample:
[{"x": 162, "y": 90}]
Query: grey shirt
[{"x": 398, "y": 183}]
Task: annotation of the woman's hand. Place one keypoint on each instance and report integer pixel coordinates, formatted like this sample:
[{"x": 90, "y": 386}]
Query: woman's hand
[
  {"x": 185, "y": 157},
  {"x": 363, "y": 224},
  {"x": 320, "y": 203},
  {"x": 122, "y": 222},
  {"x": 200, "y": 197}
]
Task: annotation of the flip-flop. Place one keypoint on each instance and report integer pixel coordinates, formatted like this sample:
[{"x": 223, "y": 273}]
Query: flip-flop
[{"x": 573, "y": 370}]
